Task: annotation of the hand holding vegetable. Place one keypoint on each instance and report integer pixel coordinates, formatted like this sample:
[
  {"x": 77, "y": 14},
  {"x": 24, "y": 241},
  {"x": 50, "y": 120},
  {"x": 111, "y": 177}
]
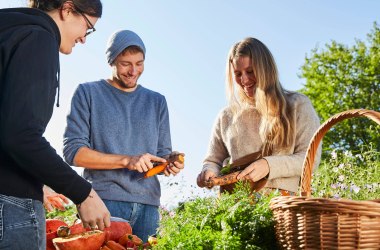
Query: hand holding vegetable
[
  {"x": 142, "y": 163},
  {"x": 173, "y": 165},
  {"x": 53, "y": 200},
  {"x": 255, "y": 171},
  {"x": 205, "y": 176}
]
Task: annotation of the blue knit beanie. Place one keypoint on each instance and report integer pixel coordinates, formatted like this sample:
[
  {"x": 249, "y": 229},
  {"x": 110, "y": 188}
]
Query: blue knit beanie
[{"x": 121, "y": 40}]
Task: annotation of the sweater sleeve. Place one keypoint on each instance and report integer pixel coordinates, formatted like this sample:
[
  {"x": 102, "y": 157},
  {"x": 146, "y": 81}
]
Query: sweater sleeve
[
  {"x": 26, "y": 109},
  {"x": 77, "y": 133},
  {"x": 306, "y": 124},
  {"x": 217, "y": 151}
]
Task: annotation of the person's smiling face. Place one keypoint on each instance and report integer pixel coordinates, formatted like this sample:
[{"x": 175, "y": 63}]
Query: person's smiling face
[
  {"x": 244, "y": 75},
  {"x": 75, "y": 30},
  {"x": 127, "y": 68}
]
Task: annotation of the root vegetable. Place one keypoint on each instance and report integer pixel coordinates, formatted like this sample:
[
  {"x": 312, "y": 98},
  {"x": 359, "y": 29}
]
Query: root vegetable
[
  {"x": 105, "y": 248},
  {"x": 91, "y": 240},
  {"x": 222, "y": 180},
  {"x": 52, "y": 225},
  {"x": 117, "y": 230},
  {"x": 113, "y": 245},
  {"x": 78, "y": 228},
  {"x": 161, "y": 166},
  {"x": 127, "y": 239}
]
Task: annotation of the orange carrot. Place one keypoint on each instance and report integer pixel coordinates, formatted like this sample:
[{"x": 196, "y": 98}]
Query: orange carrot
[
  {"x": 180, "y": 158},
  {"x": 114, "y": 245},
  {"x": 162, "y": 166},
  {"x": 105, "y": 248},
  {"x": 156, "y": 170}
]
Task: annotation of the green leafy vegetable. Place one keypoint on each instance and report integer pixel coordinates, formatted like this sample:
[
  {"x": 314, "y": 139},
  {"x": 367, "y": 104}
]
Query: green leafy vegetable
[
  {"x": 231, "y": 221},
  {"x": 68, "y": 216},
  {"x": 226, "y": 169}
]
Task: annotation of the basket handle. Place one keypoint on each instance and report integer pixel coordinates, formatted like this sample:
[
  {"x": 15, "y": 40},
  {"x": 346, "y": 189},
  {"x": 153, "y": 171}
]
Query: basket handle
[{"x": 318, "y": 135}]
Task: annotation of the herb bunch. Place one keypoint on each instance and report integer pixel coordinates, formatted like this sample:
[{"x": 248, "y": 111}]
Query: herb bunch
[
  {"x": 241, "y": 220},
  {"x": 69, "y": 215}
]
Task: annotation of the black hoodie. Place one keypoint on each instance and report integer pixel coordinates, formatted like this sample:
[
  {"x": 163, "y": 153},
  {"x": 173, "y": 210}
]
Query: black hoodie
[{"x": 29, "y": 77}]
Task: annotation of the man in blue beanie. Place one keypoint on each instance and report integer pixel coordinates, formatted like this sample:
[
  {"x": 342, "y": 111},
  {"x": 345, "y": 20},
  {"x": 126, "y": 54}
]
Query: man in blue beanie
[{"x": 115, "y": 129}]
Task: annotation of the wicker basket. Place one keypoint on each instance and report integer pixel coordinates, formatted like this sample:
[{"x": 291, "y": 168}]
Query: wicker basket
[{"x": 320, "y": 223}]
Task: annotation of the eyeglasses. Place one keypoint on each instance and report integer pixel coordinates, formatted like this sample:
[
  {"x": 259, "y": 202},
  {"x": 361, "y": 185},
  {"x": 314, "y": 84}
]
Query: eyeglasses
[{"x": 92, "y": 28}]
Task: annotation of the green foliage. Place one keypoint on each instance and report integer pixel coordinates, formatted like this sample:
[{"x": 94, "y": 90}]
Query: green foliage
[
  {"x": 348, "y": 175},
  {"x": 225, "y": 169},
  {"x": 68, "y": 215},
  {"x": 340, "y": 78},
  {"x": 230, "y": 221}
]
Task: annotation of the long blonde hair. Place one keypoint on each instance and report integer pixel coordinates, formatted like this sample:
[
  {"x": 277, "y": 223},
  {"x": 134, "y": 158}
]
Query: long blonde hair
[{"x": 270, "y": 98}]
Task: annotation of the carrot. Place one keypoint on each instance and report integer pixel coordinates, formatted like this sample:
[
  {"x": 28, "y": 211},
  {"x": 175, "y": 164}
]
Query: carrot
[
  {"x": 222, "y": 180},
  {"x": 114, "y": 245},
  {"x": 105, "y": 248},
  {"x": 231, "y": 178},
  {"x": 128, "y": 239},
  {"x": 156, "y": 170},
  {"x": 180, "y": 159},
  {"x": 162, "y": 166}
]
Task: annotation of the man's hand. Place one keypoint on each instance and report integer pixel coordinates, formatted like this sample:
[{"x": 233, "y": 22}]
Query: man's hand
[
  {"x": 175, "y": 167},
  {"x": 93, "y": 212},
  {"x": 142, "y": 163},
  {"x": 53, "y": 200}
]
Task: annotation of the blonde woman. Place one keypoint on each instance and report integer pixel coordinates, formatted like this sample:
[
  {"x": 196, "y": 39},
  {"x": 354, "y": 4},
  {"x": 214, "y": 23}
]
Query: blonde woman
[{"x": 261, "y": 116}]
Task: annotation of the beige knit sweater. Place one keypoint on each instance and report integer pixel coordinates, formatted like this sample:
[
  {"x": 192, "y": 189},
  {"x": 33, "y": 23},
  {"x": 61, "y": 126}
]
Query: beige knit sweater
[{"x": 238, "y": 136}]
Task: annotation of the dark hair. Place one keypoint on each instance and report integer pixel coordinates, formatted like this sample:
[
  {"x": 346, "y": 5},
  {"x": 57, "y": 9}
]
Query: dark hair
[
  {"x": 89, "y": 7},
  {"x": 133, "y": 49}
]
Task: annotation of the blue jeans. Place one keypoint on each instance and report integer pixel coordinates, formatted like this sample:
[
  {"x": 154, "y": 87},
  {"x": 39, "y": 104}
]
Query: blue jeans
[
  {"x": 143, "y": 218},
  {"x": 22, "y": 224}
]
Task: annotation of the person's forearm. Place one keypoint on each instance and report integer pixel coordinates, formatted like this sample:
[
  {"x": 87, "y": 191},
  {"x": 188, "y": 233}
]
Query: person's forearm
[{"x": 91, "y": 159}]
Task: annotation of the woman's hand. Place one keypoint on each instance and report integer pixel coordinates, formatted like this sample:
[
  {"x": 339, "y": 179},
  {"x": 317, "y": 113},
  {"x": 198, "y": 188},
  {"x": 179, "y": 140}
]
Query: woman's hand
[
  {"x": 53, "y": 200},
  {"x": 255, "y": 172},
  {"x": 205, "y": 175}
]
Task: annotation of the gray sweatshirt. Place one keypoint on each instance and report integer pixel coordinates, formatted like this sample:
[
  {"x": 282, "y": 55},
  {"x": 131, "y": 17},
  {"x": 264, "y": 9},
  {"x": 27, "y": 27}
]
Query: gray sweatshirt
[{"x": 108, "y": 120}]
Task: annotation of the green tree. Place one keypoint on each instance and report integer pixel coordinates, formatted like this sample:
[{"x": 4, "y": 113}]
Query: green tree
[{"x": 339, "y": 78}]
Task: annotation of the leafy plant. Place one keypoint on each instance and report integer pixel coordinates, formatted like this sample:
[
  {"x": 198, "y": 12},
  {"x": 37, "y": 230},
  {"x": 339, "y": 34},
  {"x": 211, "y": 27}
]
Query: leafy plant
[
  {"x": 231, "y": 221},
  {"x": 349, "y": 175},
  {"x": 340, "y": 77},
  {"x": 69, "y": 215}
]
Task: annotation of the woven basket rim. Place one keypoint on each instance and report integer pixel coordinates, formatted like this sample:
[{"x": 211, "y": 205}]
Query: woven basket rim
[{"x": 377, "y": 201}]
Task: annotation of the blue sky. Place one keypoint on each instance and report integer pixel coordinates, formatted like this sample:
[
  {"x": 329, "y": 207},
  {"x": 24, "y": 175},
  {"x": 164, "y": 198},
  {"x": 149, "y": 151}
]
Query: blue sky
[{"x": 187, "y": 44}]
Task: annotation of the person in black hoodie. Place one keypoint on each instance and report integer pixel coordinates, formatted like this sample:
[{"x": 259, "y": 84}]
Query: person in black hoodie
[{"x": 30, "y": 42}]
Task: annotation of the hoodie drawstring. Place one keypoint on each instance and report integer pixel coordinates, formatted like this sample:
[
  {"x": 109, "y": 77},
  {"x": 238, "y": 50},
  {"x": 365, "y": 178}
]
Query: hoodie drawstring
[{"x": 59, "y": 83}]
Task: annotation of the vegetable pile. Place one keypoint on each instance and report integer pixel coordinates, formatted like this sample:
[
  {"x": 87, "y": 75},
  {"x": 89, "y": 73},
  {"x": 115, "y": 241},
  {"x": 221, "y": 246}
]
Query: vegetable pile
[{"x": 119, "y": 235}]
